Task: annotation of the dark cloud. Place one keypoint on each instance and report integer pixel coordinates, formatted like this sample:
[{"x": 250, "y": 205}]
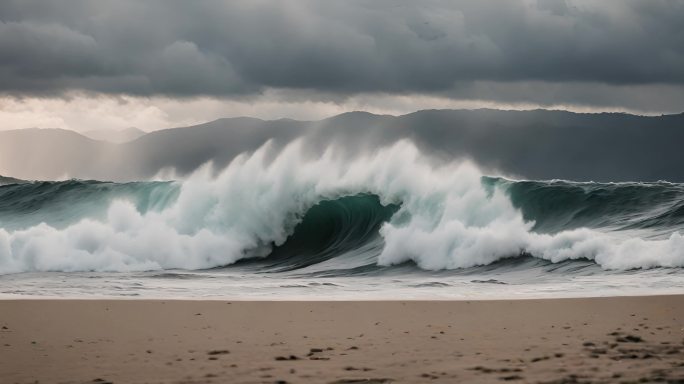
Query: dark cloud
[{"x": 240, "y": 48}]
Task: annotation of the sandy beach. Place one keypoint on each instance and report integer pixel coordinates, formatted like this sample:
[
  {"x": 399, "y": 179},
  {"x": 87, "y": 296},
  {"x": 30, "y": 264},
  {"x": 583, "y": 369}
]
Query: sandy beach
[{"x": 595, "y": 340}]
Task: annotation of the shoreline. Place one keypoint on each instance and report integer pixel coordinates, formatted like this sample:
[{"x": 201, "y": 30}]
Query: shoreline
[
  {"x": 317, "y": 298},
  {"x": 563, "y": 340}
]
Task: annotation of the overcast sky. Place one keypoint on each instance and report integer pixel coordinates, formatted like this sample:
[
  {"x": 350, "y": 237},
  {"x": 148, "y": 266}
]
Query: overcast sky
[{"x": 155, "y": 64}]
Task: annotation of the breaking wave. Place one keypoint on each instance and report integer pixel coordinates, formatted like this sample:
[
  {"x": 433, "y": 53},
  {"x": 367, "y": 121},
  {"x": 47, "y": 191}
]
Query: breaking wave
[{"x": 283, "y": 211}]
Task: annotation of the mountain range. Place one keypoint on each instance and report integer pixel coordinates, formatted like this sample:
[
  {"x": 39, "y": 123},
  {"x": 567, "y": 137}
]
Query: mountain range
[{"x": 114, "y": 135}]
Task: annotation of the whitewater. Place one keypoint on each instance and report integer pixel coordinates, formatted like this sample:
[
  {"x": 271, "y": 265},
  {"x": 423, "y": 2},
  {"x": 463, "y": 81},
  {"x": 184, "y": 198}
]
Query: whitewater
[{"x": 392, "y": 223}]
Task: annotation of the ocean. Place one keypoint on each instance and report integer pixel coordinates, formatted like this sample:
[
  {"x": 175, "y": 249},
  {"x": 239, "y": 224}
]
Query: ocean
[{"x": 390, "y": 224}]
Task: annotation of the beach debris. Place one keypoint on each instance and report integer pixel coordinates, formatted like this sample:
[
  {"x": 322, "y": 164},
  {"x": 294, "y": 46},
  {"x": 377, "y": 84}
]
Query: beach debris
[
  {"x": 284, "y": 358},
  {"x": 482, "y": 369},
  {"x": 540, "y": 358},
  {"x": 629, "y": 339},
  {"x": 218, "y": 352}
]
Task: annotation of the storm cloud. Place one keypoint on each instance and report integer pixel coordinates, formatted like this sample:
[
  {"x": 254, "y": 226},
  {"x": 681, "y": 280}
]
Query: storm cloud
[{"x": 546, "y": 51}]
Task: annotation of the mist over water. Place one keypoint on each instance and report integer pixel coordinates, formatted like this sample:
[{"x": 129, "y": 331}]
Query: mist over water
[
  {"x": 281, "y": 213},
  {"x": 537, "y": 145}
]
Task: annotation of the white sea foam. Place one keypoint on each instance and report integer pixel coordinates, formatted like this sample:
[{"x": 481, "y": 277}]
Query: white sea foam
[{"x": 447, "y": 220}]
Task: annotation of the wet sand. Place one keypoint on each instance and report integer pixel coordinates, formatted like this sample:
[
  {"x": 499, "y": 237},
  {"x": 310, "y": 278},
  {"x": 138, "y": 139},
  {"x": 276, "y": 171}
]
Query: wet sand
[{"x": 601, "y": 340}]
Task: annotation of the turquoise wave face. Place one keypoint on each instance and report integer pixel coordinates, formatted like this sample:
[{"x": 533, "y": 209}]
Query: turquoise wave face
[
  {"x": 346, "y": 228},
  {"x": 561, "y": 205},
  {"x": 61, "y": 203}
]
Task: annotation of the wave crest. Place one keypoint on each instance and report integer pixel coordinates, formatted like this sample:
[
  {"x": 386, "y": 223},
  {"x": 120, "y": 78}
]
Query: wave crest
[{"x": 446, "y": 217}]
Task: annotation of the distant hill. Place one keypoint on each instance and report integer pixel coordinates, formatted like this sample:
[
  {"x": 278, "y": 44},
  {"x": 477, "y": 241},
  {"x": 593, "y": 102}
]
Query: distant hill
[
  {"x": 538, "y": 144},
  {"x": 10, "y": 180},
  {"x": 47, "y": 154},
  {"x": 115, "y": 136}
]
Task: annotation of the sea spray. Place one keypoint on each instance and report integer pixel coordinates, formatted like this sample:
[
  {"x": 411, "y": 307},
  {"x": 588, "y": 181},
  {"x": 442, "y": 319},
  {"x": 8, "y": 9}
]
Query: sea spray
[{"x": 448, "y": 217}]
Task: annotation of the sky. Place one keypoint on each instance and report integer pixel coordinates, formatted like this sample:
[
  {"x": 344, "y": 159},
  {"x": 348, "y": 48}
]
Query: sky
[{"x": 88, "y": 65}]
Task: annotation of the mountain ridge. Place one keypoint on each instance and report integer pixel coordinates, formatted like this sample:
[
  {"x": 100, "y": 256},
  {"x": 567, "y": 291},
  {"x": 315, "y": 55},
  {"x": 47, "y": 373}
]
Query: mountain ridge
[{"x": 5, "y": 180}]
